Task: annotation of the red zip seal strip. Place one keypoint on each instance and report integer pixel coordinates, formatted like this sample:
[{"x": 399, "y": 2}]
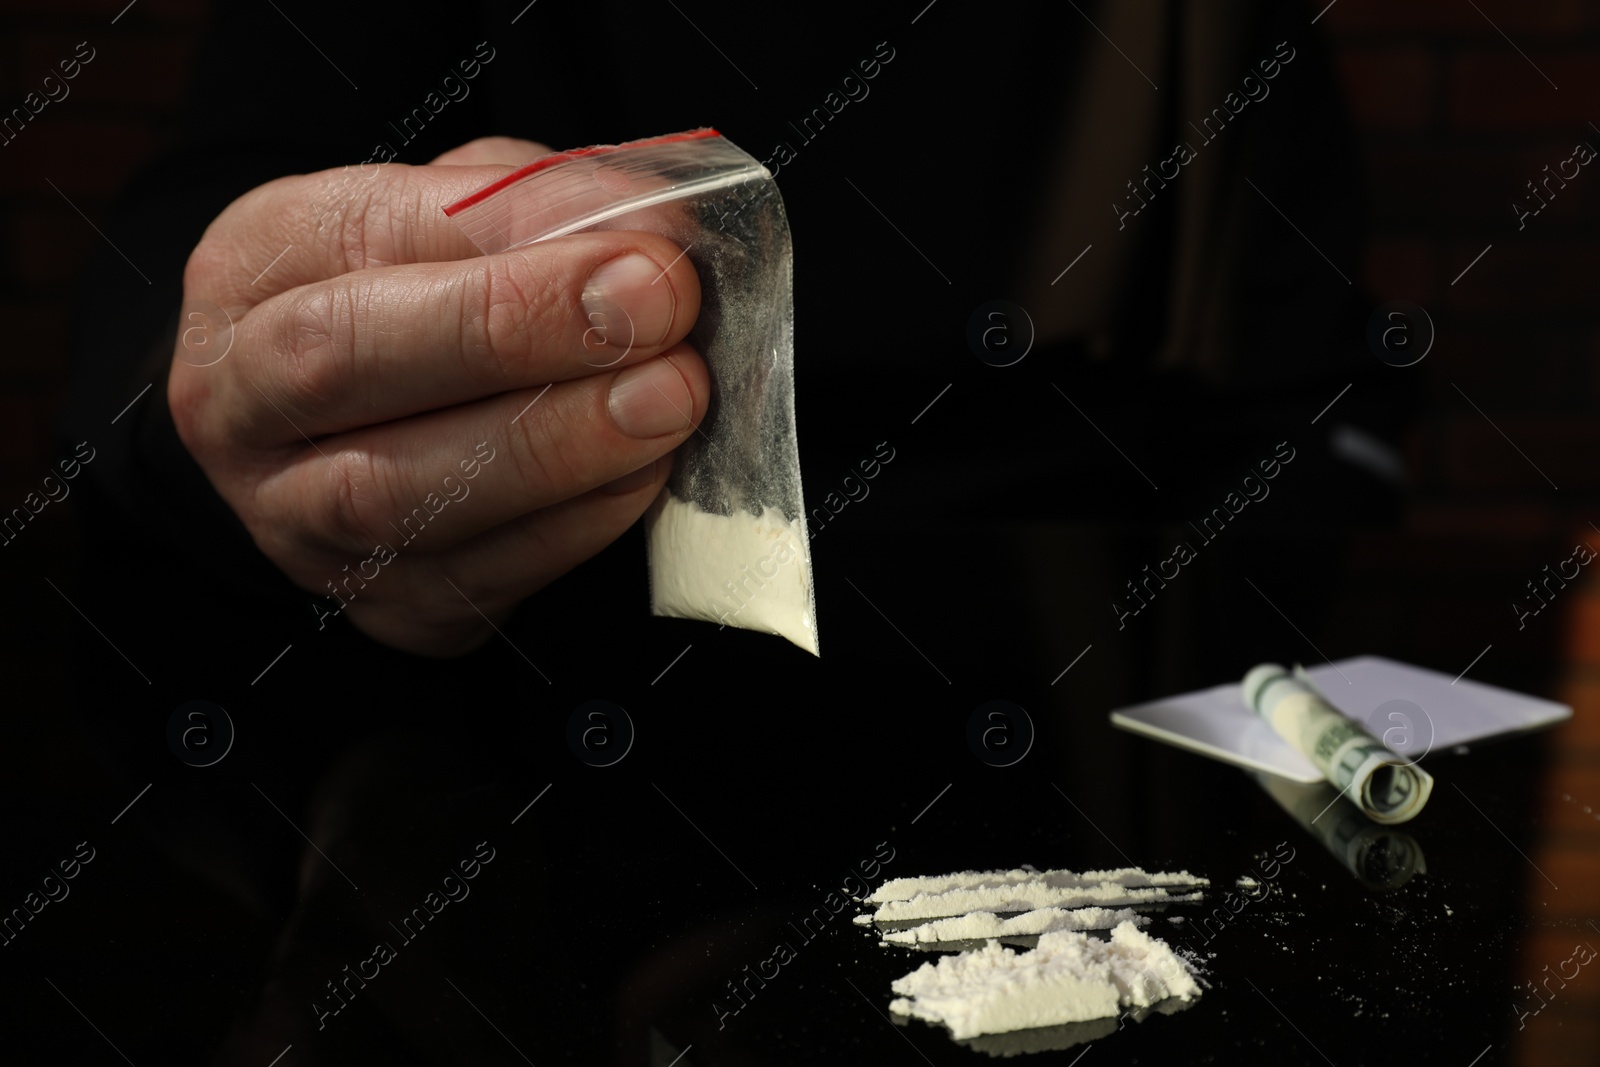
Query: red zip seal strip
[{"x": 576, "y": 153}]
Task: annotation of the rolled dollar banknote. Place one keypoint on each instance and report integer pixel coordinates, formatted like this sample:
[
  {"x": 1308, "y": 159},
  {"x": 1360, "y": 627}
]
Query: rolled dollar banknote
[{"x": 1384, "y": 786}]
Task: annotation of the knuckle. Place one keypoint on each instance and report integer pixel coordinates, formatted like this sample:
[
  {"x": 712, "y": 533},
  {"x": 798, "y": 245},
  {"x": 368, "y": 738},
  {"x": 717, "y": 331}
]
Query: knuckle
[
  {"x": 549, "y": 458},
  {"x": 353, "y": 497},
  {"x": 209, "y": 260},
  {"x": 318, "y": 343},
  {"x": 518, "y": 306},
  {"x": 366, "y": 209},
  {"x": 214, "y": 262},
  {"x": 410, "y": 196},
  {"x": 186, "y": 398}
]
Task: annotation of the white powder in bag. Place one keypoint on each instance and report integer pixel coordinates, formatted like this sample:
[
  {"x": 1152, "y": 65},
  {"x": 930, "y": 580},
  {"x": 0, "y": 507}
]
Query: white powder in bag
[
  {"x": 1069, "y": 977},
  {"x": 981, "y": 924},
  {"x": 745, "y": 570}
]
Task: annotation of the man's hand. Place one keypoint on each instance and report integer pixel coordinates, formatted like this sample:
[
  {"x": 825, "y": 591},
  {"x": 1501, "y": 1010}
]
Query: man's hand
[{"x": 416, "y": 431}]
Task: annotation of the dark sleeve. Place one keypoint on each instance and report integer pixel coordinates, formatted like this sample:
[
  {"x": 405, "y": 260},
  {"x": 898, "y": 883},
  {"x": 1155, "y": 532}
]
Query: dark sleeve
[{"x": 264, "y": 102}]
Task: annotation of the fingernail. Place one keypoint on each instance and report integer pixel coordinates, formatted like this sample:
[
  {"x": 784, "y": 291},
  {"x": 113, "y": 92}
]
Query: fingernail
[
  {"x": 627, "y": 303},
  {"x": 635, "y": 480},
  {"x": 650, "y": 399}
]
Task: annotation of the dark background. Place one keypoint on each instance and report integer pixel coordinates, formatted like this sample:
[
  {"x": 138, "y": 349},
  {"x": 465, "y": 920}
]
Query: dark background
[{"x": 1451, "y": 121}]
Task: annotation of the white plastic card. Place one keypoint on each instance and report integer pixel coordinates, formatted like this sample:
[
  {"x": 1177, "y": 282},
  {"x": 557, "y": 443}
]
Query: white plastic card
[{"x": 1411, "y": 709}]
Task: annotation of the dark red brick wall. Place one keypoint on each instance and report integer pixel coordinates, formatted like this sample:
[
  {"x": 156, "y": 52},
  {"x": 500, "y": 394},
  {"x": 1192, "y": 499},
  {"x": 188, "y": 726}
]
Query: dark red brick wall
[{"x": 1453, "y": 122}]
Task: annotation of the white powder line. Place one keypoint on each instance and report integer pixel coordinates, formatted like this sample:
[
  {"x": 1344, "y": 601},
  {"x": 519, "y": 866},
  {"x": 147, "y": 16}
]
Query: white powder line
[
  {"x": 680, "y": 1056},
  {"x": 1480, "y": 1056},
  {"x": 959, "y": 902},
  {"x": 980, "y": 925},
  {"x": 931, "y": 803},
  {"x": 280, "y": 1055},
  {"x": 1132, "y": 877}
]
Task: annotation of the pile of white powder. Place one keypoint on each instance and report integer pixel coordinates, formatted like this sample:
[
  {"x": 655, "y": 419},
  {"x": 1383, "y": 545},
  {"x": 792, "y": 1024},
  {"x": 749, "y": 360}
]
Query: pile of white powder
[
  {"x": 745, "y": 570},
  {"x": 1069, "y": 977}
]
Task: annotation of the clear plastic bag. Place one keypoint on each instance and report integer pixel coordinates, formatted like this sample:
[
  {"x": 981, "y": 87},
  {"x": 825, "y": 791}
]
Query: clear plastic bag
[{"x": 727, "y": 535}]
